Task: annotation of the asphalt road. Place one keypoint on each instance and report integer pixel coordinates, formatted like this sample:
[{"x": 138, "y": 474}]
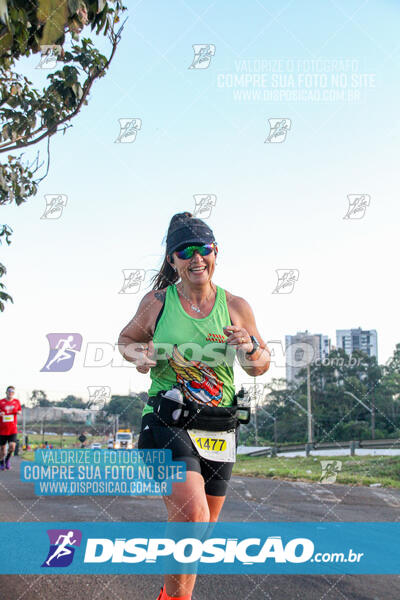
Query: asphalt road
[{"x": 248, "y": 499}]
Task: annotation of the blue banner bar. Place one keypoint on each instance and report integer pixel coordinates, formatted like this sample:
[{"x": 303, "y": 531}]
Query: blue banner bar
[{"x": 227, "y": 548}]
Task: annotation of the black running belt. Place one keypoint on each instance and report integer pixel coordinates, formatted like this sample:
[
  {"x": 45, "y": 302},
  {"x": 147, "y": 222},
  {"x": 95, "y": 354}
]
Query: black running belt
[{"x": 194, "y": 415}]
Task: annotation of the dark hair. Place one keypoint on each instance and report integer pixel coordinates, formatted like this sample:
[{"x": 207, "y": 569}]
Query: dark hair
[
  {"x": 10, "y": 387},
  {"x": 167, "y": 275}
]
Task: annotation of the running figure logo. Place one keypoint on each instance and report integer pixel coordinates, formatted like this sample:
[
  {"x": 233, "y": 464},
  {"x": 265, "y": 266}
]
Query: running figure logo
[
  {"x": 357, "y": 206},
  {"x": 199, "y": 382},
  {"x": 62, "y": 351},
  {"x": 62, "y": 547},
  {"x": 204, "y": 203},
  {"x": 55, "y": 204},
  {"x": 132, "y": 280},
  {"x": 128, "y": 129},
  {"x": 202, "y": 56},
  {"x": 330, "y": 470},
  {"x": 99, "y": 395},
  {"x": 278, "y": 129},
  {"x": 286, "y": 280},
  {"x": 49, "y": 56}
]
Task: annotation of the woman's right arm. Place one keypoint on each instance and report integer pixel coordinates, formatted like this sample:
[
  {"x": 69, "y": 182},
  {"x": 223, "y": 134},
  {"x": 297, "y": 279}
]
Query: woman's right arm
[{"x": 135, "y": 340}]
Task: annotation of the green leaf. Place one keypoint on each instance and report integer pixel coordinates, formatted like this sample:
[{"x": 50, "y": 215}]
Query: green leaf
[
  {"x": 3, "y": 11},
  {"x": 73, "y": 6},
  {"x": 54, "y": 15},
  {"x": 6, "y": 40},
  {"x": 5, "y": 296},
  {"x": 77, "y": 89}
]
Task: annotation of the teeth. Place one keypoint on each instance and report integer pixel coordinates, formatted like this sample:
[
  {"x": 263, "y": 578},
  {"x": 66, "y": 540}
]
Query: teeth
[{"x": 198, "y": 269}]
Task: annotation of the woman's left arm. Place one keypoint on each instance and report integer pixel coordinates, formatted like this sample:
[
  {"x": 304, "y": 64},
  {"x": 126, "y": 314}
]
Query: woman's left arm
[{"x": 238, "y": 334}]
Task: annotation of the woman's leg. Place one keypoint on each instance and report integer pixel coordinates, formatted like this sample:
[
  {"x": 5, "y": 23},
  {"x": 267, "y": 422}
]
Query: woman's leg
[
  {"x": 215, "y": 504},
  {"x": 179, "y": 509},
  {"x": 187, "y": 502}
]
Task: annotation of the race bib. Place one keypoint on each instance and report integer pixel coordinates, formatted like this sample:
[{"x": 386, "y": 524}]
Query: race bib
[
  {"x": 8, "y": 418},
  {"x": 214, "y": 445}
]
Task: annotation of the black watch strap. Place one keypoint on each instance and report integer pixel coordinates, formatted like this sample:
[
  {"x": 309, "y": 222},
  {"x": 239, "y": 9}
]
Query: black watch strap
[{"x": 256, "y": 345}]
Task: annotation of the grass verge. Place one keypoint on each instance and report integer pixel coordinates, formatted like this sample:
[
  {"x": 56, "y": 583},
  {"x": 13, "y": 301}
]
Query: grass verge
[{"x": 358, "y": 470}]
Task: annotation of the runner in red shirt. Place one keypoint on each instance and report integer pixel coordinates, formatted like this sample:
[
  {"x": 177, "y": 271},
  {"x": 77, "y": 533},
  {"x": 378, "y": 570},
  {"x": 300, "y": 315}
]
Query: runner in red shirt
[{"x": 10, "y": 407}]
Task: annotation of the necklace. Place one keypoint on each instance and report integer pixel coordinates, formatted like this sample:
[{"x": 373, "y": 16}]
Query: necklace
[{"x": 193, "y": 306}]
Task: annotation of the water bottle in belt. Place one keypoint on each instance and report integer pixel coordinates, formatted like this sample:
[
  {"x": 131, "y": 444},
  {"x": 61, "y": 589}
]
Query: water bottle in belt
[
  {"x": 243, "y": 411},
  {"x": 172, "y": 405}
]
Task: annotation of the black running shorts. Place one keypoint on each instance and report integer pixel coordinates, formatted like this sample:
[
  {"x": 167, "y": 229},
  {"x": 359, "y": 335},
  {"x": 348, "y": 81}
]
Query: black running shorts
[
  {"x": 216, "y": 474},
  {"x": 11, "y": 437}
]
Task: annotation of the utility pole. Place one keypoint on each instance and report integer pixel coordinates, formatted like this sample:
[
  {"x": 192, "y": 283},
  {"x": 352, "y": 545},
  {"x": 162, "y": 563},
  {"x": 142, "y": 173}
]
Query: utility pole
[
  {"x": 255, "y": 412},
  {"x": 309, "y": 413},
  {"x": 116, "y": 425},
  {"x": 373, "y": 416},
  {"x": 23, "y": 428}
]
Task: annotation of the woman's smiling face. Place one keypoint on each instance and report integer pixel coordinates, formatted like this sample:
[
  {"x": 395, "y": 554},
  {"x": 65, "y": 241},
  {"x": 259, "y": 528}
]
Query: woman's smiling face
[{"x": 197, "y": 269}]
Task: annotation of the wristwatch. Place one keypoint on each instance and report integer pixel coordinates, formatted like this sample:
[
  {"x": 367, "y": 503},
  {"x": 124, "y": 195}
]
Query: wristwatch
[{"x": 256, "y": 345}]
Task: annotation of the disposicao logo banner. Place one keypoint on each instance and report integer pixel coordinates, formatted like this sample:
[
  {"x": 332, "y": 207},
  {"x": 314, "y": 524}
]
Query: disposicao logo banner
[
  {"x": 62, "y": 547},
  {"x": 225, "y": 548}
]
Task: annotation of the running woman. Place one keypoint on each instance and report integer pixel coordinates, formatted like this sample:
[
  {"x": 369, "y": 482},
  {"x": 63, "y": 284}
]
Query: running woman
[
  {"x": 186, "y": 306},
  {"x": 10, "y": 407}
]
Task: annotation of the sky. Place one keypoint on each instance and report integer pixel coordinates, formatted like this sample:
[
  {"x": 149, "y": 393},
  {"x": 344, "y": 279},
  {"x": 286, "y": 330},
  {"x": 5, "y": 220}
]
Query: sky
[{"x": 327, "y": 71}]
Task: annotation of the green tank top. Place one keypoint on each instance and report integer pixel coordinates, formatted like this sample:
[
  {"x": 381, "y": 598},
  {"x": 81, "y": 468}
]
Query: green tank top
[{"x": 192, "y": 352}]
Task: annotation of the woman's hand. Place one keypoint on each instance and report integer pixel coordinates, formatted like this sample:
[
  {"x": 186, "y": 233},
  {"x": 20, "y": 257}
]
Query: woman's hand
[
  {"x": 146, "y": 360},
  {"x": 141, "y": 355},
  {"x": 239, "y": 337}
]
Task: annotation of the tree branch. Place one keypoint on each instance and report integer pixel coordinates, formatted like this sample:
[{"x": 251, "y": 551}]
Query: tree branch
[{"x": 51, "y": 131}]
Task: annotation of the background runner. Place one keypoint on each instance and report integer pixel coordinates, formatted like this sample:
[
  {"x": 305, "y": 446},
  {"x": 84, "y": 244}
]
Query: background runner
[{"x": 10, "y": 407}]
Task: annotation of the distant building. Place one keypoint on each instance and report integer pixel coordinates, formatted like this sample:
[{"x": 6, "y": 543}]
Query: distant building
[
  {"x": 365, "y": 340},
  {"x": 55, "y": 413},
  {"x": 302, "y": 348}
]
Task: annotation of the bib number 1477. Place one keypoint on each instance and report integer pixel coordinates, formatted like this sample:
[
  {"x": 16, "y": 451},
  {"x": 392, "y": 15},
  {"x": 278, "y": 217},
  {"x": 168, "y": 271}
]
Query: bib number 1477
[
  {"x": 206, "y": 443},
  {"x": 220, "y": 449}
]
